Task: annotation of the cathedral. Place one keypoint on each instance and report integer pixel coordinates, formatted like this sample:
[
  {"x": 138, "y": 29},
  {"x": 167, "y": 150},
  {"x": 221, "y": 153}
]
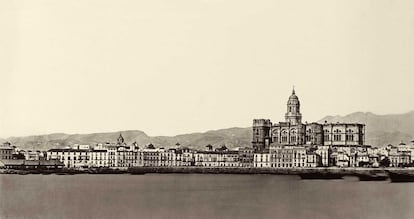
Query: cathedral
[{"x": 293, "y": 132}]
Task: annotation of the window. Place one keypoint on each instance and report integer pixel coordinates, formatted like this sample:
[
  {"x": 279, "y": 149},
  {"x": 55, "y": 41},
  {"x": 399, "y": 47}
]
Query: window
[
  {"x": 349, "y": 137},
  {"x": 337, "y": 137},
  {"x": 284, "y": 136}
]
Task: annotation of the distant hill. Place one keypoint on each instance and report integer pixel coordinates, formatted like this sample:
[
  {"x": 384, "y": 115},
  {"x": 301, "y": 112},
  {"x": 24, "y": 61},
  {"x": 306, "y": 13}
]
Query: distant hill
[
  {"x": 232, "y": 137},
  {"x": 380, "y": 130}
]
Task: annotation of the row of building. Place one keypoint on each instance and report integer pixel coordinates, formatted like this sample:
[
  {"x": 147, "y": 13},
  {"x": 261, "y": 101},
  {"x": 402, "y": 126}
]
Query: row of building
[
  {"x": 116, "y": 155},
  {"x": 121, "y": 155}
]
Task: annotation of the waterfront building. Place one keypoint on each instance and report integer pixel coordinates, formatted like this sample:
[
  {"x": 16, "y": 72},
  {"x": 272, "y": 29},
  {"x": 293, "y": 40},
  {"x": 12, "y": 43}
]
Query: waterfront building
[
  {"x": 112, "y": 155},
  {"x": 99, "y": 158},
  {"x": 399, "y": 158},
  {"x": 246, "y": 157},
  {"x": 71, "y": 158},
  {"x": 126, "y": 157},
  {"x": 262, "y": 159},
  {"x": 151, "y": 157},
  {"x": 362, "y": 159},
  {"x": 408, "y": 148},
  {"x": 313, "y": 159},
  {"x": 107, "y": 156},
  {"x": 341, "y": 159},
  {"x": 293, "y": 132},
  {"x": 217, "y": 158},
  {"x": 187, "y": 157},
  {"x": 229, "y": 159},
  {"x": 21, "y": 164},
  {"x": 287, "y": 156},
  {"x": 325, "y": 153},
  {"x": 175, "y": 157},
  {"x": 6, "y": 151},
  {"x": 166, "y": 157},
  {"x": 122, "y": 155},
  {"x": 32, "y": 155},
  {"x": 205, "y": 158},
  {"x": 199, "y": 159}
]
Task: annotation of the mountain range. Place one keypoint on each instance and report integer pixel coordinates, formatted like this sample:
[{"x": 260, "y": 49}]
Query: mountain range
[{"x": 381, "y": 130}]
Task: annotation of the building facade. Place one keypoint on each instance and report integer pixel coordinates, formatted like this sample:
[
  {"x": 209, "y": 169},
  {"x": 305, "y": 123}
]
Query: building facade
[
  {"x": 246, "y": 157},
  {"x": 6, "y": 151},
  {"x": 288, "y": 156},
  {"x": 262, "y": 159}
]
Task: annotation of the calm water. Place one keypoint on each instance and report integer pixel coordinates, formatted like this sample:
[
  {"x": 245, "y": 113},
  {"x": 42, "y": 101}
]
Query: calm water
[{"x": 200, "y": 196}]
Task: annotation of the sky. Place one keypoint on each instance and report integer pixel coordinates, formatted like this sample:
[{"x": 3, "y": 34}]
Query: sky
[{"x": 173, "y": 67}]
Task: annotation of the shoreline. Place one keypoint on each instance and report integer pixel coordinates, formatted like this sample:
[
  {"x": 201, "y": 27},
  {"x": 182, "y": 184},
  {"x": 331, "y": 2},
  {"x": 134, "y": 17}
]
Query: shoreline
[{"x": 217, "y": 170}]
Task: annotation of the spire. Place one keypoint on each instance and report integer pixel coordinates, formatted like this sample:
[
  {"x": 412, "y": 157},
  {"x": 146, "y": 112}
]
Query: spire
[
  {"x": 293, "y": 91},
  {"x": 120, "y": 139}
]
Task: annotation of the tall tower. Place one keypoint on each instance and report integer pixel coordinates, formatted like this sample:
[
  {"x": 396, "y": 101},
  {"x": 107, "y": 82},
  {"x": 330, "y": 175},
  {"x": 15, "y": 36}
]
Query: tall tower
[
  {"x": 120, "y": 140},
  {"x": 261, "y": 134},
  {"x": 293, "y": 115}
]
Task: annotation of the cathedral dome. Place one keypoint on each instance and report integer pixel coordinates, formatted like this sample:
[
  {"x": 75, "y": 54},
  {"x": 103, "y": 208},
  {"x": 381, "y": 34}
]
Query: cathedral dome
[
  {"x": 293, "y": 99},
  {"x": 293, "y": 115}
]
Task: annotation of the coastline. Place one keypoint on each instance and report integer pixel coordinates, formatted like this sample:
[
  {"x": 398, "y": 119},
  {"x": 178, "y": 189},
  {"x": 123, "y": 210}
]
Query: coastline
[{"x": 217, "y": 170}]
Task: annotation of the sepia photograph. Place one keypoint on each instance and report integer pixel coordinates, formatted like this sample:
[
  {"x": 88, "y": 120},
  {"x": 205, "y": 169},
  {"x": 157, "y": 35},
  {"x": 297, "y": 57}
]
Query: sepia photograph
[{"x": 200, "y": 109}]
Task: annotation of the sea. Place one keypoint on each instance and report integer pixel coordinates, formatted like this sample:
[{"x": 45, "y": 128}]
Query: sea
[{"x": 200, "y": 196}]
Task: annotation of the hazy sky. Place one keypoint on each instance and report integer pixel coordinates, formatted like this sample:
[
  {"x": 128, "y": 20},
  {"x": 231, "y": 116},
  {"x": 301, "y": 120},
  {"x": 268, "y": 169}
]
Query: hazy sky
[{"x": 172, "y": 67}]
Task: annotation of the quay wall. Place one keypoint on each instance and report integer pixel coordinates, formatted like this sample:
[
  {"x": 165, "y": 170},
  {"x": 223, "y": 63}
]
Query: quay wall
[
  {"x": 216, "y": 170},
  {"x": 246, "y": 170}
]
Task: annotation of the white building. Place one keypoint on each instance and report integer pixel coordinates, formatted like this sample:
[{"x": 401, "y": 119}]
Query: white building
[
  {"x": 71, "y": 158},
  {"x": 261, "y": 159},
  {"x": 216, "y": 158},
  {"x": 288, "y": 156},
  {"x": 98, "y": 158}
]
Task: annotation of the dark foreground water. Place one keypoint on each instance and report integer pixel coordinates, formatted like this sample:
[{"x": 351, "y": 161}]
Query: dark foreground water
[{"x": 200, "y": 196}]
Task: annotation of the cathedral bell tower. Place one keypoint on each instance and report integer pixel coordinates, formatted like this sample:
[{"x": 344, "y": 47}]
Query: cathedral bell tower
[{"x": 293, "y": 115}]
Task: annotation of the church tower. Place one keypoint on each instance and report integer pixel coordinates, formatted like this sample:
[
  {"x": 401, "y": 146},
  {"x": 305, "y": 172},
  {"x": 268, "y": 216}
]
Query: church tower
[
  {"x": 261, "y": 134},
  {"x": 120, "y": 140},
  {"x": 293, "y": 115}
]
